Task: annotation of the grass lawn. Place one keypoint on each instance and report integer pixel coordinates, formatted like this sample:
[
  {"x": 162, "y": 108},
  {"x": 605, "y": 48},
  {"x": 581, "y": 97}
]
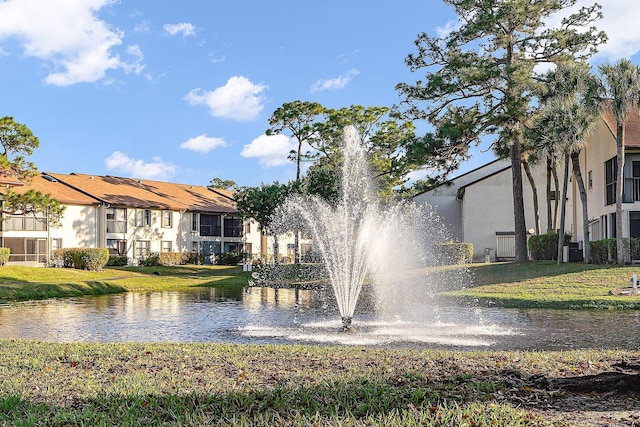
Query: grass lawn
[
  {"x": 74, "y": 384},
  {"x": 546, "y": 284},
  {"x": 23, "y": 283}
]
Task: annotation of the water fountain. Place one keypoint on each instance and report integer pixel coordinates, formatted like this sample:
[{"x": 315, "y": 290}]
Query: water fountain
[{"x": 360, "y": 239}]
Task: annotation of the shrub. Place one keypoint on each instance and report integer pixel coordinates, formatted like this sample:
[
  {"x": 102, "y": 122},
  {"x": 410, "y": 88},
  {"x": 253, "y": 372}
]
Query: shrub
[
  {"x": 118, "y": 261},
  {"x": 195, "y": 258},
  {"x": 150, "y": 260},
  {"x": 81, "y": 258},
  {"x": 63, "y": 257},
  {"x": 228, "y": 258},
  {"x": 4, "y": 255},
  {"x": 606, "y": 251},
  {"x": 454, "y": 253},
  {"x": 90, "y": 258},
  {"x": 545, "y": 246},
  {"x": 172, "y": 258}
]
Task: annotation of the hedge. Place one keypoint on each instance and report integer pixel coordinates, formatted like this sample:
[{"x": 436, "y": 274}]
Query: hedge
[
  {"x": 454, "y": 253},
  {"x": 606, "y": 250},
  {"x": 545, "y": 246},
  {"x": 4, "y": 255},
  {"x": 81, "y": 258},
  {"x": 117, "y": 261}
]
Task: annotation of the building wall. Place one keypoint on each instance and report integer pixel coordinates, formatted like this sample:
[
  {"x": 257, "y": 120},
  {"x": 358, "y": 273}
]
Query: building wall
[{"x": 488, "y": 209}]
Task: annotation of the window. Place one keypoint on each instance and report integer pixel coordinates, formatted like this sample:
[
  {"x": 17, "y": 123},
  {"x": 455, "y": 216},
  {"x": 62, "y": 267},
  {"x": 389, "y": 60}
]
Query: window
[
  {"x": 117, "y": 246},
  {"x": 232, "y": 227},
  {"x": 116, "y": 220},
  {"x": 610, "y": 167},
  {"x": 167, "y": 246},
  {"x": 143, "y": 218},
  {"x": 590, "y": 179},
  {"x": 195, "y": 247},
  {"x": 56, "y": 243},
  {"x": 167, "y": 219},
  {"x": 24, "y": 223},
  {"x": 142, "y": 248},
  {"x": 291, "y": 250},
  {"x": 210, "y": 225},
  {"x": 194, "y": 222},
  {"x": 234, "y": 247}
]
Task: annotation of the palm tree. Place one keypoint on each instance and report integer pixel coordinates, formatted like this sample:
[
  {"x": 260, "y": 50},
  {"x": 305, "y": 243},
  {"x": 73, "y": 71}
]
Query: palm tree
[
  {"x": 620, "y": 92},
  {"x": 565, "y": 120}
]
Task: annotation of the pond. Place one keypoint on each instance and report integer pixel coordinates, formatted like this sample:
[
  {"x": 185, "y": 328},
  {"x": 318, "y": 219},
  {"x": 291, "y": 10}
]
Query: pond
[{"x": 286, "y": 316}]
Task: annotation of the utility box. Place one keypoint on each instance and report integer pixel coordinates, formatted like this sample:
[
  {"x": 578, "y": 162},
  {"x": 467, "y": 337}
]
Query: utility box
[{"x": 575, "y": 252}]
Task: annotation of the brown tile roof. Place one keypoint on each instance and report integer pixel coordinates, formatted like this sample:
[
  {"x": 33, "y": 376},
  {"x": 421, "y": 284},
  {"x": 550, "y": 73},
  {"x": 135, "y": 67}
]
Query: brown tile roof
[
  {"x": 146, "y": 194},
  {"x": 631, "y": 128},
  {"x": 59, "y": 191}
]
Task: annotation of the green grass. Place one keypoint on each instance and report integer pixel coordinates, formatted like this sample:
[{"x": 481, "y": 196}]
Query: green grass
[
  {"x": 549, "y": 285},
  {"x": 24, "y": 283},
  {"x": 221, "y": 384}
]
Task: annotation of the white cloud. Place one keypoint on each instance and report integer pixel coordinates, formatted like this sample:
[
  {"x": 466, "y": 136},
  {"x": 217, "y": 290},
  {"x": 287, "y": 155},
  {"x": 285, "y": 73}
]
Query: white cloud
[
  {"x": 334, "y": 84},
  {"x": 620, "y": 22},
  {"x": 620, "y": 18},
  {"x": 203, "y": 143},
  {"x": 239, "y": 99},
  {"x": 184, "y": 28},
  {"x": 157, "y": 169},
  {"x": 270, "y": 150},
  {"x": 68, "y": 36}
]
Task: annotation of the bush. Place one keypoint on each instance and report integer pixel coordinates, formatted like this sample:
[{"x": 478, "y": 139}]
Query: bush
[
  {"x": 150, "y": 260},
  {"x": 93, "y": 259},
  {"x": 172, "y": 258},
  {"x": 603, "y": 251},
  {"x": 545, "y": 246},
  {"x": 606, "y": 251},
  {"x": 118, "y": 261},
  {"x": 81, "y": 258},
  {"x": 4, "y": 255},
  {"x": 454, "y": 253},
  {"x": 228, "y": 258},
  {"x": 194, "y": 258}
]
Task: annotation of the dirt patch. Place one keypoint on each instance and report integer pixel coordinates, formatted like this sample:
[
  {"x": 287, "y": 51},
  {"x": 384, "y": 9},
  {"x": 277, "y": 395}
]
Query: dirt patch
[{"x": 610, "y": 398}]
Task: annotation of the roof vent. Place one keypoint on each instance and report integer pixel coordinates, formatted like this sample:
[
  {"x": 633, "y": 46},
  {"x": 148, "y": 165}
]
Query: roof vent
[
  {"x": 91, "y": 177},
  {"x": 49, "y": 178}
]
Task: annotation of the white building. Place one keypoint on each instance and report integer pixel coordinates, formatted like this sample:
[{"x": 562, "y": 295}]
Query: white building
[{"x": 130, "y": 217}]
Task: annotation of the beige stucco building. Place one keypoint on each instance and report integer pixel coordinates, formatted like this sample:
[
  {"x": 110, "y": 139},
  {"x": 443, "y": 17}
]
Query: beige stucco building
[{"x": 130, "y": 217}]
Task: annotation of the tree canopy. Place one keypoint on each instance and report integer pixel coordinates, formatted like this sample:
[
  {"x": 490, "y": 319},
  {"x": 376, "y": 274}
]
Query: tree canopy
[
  {"x": 17, "y": 141},
  {"x": 479, "y": 78}
]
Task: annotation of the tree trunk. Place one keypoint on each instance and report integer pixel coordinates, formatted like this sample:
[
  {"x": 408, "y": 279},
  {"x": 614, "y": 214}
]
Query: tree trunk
[
  {"x": 534, "y": 191},
  {"x": 276, "y": 249},
  {"x": 549, "y": 218},
  {"x": 619, "y": 191},
  {"x": 556, "y": 183},
  {"x": 520, "y": 226},
  {"x": 575, "y": 160},
  {"x": 563, "y": 207}
]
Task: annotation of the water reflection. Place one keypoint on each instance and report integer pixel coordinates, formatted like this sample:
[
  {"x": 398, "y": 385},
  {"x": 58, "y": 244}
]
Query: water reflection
[{"x": 266, "y": 315}]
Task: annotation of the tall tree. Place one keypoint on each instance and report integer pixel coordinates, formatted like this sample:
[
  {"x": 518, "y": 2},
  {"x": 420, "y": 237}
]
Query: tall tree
[
  {"x": 384, "y": 138},
  {"x": 222, "y": 184},
  {"x": 480, "y": 76},
  {"x": 566, "y": 118},
  {"x": 620, "y": 92},
  {"x": 300, "y": 118},
  {"x": 17, "y": 141}
]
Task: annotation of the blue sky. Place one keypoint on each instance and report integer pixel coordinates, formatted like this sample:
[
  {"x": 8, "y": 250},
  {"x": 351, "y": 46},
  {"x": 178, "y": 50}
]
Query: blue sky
[{"x": 182, "y": 91}]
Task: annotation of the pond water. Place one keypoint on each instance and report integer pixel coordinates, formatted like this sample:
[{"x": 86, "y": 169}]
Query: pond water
[{"x": 286, "y": 316}]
